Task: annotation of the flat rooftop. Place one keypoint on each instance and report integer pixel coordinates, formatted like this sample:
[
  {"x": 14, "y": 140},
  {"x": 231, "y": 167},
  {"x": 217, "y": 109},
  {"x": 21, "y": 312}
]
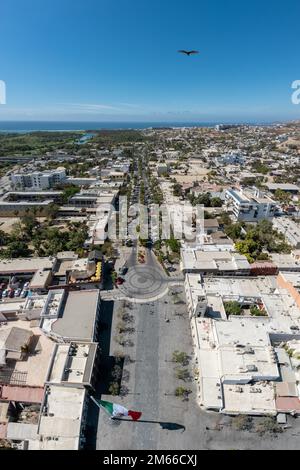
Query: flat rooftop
[
  {"x": 282, "y": 186},
  {"x": 47, "y": 202},
  {"x": 249, "y": 399},
  {"x": 213, "y": 260},
  {"x": 41, "y": 279},
  {"x": 285, "y": 261},
  {"x": 241, "y": 349},
  {"x": 240, "y": 287},
  {"x": 33, "y": 370},
  {"x": 34, "y": 193},
  {"x": 289, "y": 228},
  {"x": 60, "y": 428},
  {"x": 73, "y": 366},
  {"x": 77, "y": 320},
  {"x": 26, "y": 265}
]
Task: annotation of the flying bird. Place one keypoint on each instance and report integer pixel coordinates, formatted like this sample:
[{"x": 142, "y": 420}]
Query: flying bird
[{"x": 188, "y": 52}]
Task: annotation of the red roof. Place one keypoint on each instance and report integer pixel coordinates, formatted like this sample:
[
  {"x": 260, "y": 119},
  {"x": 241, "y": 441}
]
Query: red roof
[
  {"x": 21, "y": 394},
  {"x": 264, "y": 264},
  {"x": 288, "y": 404}
]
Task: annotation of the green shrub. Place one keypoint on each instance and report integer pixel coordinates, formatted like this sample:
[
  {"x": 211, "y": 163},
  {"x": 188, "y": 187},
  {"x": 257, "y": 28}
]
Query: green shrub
[{"x": 232, "y": 308}]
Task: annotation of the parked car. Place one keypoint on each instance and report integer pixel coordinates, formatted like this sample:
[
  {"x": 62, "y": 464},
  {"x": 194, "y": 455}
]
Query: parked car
[
  {"x": 1, "y": 294},
  {"x": 11, "y": 294},
  {"x": 24, "y": 293},
  {"x": 5, "y": 293},
  {"x": 123, "y": 271},
  {"x": 26, "y": 285},
  {"x": 119, "y": 281},
  {"x": 171, "y": 269},
  {"x": 18, "y": 292}
]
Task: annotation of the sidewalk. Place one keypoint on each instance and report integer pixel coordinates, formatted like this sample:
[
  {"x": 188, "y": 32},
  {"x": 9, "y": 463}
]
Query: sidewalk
[{"x": 124, "y": 253}]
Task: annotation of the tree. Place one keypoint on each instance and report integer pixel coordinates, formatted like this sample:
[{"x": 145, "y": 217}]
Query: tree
[
  {"x": 234, "y": 231},
  {"x": 4, "y": 238},
  {"x": 68, "y": 192},
  {"x": 282, "y": 196},
  {"x": 51, "y": 211},
  {"x": 268, "y": 424},
  {"x": 114, "y": 388},
  {"x": 232, "y": 308},
  {"x": 260, "y": 239},
  {"x": 216, "y": 202},
  {"x": 177, "y": 189},
  {"x": 242, "y": 423},
  {"x": 257, "y": 312},
  {"x": 174, "y": 244},
  {"x": 182, "y": 392},
  {"x": 30, "y": 223},
  {"x": 180, "y": 357},
  {"x": 182, "y": 374},
  {"x": 16, "y": 249},
  {"x": 260, "y": 167}
]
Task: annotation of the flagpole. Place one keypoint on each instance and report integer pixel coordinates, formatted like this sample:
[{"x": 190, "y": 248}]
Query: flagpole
[
  {"x": 95, "y": 401},
  {"x": 100, "y": 406}
]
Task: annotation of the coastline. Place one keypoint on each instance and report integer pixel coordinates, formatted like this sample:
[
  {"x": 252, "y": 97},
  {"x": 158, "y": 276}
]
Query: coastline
[{"x": 24, "y": 127}]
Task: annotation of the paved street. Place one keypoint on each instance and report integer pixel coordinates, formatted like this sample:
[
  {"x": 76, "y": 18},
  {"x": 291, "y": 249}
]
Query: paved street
[
  {"x": 156, "y": 303},
  {"x": 167, "y": 421},
  {"x": 143, "y": 282}
]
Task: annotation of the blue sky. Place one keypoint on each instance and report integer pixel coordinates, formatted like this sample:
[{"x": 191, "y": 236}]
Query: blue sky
[{"x": 101, "y": 60}]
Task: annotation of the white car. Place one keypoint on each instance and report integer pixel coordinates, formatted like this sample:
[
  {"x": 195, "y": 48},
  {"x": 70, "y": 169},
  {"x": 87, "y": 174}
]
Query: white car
[{"x": 18, "y": 292}]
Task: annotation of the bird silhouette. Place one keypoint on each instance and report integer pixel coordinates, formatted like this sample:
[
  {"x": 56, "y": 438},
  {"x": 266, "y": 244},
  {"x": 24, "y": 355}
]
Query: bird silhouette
[{"x": 182, "y": 51}]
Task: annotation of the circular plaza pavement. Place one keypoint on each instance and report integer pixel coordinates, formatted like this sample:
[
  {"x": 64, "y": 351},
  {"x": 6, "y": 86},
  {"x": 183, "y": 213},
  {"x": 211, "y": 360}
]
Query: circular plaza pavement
[{"x": 144, "y": 282}]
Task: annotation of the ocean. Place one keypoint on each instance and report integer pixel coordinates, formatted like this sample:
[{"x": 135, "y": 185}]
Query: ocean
[{"x": 23, "y": 127}]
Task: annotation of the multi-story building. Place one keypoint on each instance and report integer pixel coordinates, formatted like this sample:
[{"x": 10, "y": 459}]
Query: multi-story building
[
  {"x": 249, "y": 207},
  {"x": 39, "y": 180},
  {"x": 162, "y": 169}
]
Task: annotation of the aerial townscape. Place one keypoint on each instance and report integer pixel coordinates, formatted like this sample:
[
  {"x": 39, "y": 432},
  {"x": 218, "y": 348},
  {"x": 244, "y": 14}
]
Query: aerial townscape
[
  {"x": 149, "y": 231},
  {"x": 199, "y": 334}
]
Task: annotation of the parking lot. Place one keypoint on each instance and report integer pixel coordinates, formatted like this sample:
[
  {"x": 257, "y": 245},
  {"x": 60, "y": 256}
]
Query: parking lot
[{"x": 14, "y": 287}]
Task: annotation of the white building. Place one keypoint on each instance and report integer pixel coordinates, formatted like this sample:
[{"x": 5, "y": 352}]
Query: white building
[
  {"x": 231, "y": 159},
  {"x": 250, "y": 208},
  {"x": 82, "y": 181},
  {"x": 201, "y": 261},
  {"x": 162, "y": 169},
  {"x": 39, "y": 180},
  {"x": 244, "y": 364}
]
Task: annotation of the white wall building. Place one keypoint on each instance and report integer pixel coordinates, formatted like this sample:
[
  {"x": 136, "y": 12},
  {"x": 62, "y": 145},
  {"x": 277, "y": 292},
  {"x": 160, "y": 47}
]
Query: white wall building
[
  {"x": 243, "y": 361},
  {"x": 250, "y": 208},
  {"x": 162, "y": 169},
  {"x": 39, "y": 180}
]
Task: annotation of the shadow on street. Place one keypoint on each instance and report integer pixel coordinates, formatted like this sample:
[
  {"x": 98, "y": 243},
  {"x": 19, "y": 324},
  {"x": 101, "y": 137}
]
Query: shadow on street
[{"x": 164, "y": 425}]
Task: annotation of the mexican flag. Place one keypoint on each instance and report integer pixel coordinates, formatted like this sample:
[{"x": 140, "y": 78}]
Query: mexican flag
[{"x": 117, "y": 411}]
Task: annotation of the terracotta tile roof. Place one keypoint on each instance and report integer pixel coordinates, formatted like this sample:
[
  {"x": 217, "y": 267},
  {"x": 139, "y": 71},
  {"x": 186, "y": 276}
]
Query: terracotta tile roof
[{"x": 21, "y": 394}]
